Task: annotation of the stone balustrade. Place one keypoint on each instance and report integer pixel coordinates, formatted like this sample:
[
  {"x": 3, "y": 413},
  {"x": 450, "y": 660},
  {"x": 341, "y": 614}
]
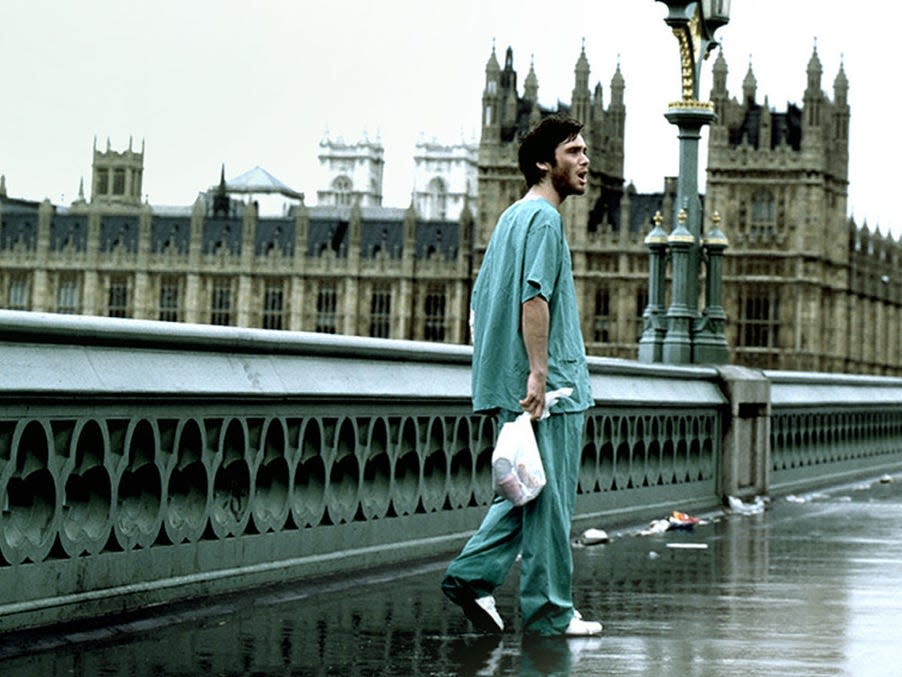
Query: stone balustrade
[{"x": 145, "y": 462}]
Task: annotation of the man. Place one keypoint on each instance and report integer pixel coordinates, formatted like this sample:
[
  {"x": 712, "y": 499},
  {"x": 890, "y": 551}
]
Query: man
[{"x": 526, "y": 340}]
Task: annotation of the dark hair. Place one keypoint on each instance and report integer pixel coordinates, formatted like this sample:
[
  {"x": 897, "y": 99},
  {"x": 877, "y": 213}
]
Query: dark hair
[{"x": 539, "y": 143}]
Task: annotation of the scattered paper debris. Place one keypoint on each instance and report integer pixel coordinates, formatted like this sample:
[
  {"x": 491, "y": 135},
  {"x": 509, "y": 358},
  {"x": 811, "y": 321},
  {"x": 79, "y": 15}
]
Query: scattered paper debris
[
  {"x": 738, "y": 506},
  {"x": 796, "y": 499},
  {"x": 677, "y": 521},
  {"x": 680, "y": 520},
  {"x": 688, "y": 546},
  {"x": 655, "y": 527},
  {"x": 594, "y": 537}
]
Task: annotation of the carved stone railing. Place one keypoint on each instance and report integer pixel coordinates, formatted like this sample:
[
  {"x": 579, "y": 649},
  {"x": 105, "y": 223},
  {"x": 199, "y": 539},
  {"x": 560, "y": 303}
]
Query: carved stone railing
[
  {"x": 144, "y": 462},
  {"x": 828, "y": 428}
]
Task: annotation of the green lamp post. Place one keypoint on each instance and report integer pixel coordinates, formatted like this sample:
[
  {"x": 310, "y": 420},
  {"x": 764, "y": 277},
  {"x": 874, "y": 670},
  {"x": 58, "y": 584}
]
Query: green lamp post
[{"x": 694, "y": 24}]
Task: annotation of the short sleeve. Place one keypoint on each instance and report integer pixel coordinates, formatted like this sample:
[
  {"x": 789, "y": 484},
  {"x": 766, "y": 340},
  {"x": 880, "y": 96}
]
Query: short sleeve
[{"x": 541, "y": 261}]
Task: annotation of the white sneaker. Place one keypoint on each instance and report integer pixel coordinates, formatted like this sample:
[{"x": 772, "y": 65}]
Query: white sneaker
[
  {"x": 483, "y": 614},
  {"x": 580, "y": 628}
]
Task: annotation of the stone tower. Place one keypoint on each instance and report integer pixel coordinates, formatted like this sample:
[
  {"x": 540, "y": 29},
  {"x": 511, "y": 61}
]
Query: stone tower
[
  {"x": 117, "y": 176},
  {"x": 444, "y": 179},
  {"x": 351, "y": 172},
  {"x": 779, "y": 181}
]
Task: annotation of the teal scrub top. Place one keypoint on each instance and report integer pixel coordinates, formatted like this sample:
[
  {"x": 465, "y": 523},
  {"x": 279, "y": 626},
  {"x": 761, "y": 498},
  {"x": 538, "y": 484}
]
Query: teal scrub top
[{"x": 527, "y": 256}]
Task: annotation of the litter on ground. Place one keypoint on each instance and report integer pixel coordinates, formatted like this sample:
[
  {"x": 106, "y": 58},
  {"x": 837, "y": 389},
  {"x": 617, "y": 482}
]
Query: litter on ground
[
  {"x": 676, "y": 521},
  {"x": 688, "y": 546},
  {"x": 594, "y": 537},
  {"x": 738, "y": 506}
]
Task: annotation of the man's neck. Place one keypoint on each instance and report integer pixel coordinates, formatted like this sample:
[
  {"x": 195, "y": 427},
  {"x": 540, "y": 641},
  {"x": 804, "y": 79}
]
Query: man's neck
[{"x": 543, "y": 189}]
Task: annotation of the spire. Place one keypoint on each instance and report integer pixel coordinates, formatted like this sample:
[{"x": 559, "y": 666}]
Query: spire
[
  {"x": 579, "y": 100},
  {"x": 582, "y": 68},
  {"x": 2, "y": 185},
  {"x": 720, "y": 73},
  {"x": 617, "y": 86},
  {"x": 491, "y": 99},
  {"x": 221, "y": 197},
  {"x": 509, "y": 75},
  {"x": 491, "y": 65},
  {"x": 81, "y": 189},
  {"x": 815, "y": 70},
  {"x": 841, "y": 85},
  {"x": 749, "y": 84},
  {"x": 531, "y": 84}
]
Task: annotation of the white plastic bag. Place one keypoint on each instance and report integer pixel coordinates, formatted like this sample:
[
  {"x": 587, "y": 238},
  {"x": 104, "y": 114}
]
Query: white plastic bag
[{"x": 517, "y": 471}]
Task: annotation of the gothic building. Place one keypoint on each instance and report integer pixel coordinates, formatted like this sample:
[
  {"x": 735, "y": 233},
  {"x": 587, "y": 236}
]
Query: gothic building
[
  {"x": 805, "y": 288},
  {"x": 350, "y": 269}
]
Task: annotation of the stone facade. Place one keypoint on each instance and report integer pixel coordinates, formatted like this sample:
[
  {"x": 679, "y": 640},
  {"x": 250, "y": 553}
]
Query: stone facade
[
  {"x": 805, "y": 288},
  {"x": 444, "y": 179},
  {"x": 351, "y": 173},
  {"x": 370, "y": 271}
]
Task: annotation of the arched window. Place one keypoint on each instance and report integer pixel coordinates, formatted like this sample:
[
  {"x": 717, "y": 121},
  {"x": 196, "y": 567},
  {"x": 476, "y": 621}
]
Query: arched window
[
  {"x": 764, "y": 214},
  {"x": 342, "y": 187},
  {"x": 437, "y": 202}
]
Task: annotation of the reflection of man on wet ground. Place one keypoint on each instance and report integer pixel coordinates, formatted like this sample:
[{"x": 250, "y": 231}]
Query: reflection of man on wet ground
[{"x": 526, "y": 340}]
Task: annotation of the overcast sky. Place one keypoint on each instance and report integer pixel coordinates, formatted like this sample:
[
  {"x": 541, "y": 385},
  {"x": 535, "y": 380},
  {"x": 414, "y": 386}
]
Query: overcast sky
[{"x": 206, "y": 82}]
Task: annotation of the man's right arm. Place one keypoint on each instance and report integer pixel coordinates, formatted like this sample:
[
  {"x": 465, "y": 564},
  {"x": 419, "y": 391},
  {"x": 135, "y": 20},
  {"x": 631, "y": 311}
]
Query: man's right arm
[{"x": 534, "y": 325}]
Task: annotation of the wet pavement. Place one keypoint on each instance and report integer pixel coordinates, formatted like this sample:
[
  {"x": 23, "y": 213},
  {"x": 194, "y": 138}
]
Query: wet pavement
[{"x": 811, "y": 586}]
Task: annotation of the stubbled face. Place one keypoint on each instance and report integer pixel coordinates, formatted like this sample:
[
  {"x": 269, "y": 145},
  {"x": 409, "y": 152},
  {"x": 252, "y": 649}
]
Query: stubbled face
[{"x": 570, "y": 172}]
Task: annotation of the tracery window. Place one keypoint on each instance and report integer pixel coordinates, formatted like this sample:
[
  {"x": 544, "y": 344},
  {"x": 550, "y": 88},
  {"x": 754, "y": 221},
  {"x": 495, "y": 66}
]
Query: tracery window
[
  {"x": 342, "y": 187},
  {"x": 117, "y": 297},
  {"x": 67, "y": 295},
  {"x": 380, "y": 311},
  {"x": 326, "y": 305},
  {"x": 221, "y": 302},
  {"x": 759, "y": 318},
  {"x": 763, "y": 214},
  {"x": 170, "y": 309},
  {"x": 434, "y": 310},
  {"x": 601, "y": 324},
  {"x": 18, "y": 292},
  {"x": 274, "y": 304},
  {"x": 437, "y": 200}
]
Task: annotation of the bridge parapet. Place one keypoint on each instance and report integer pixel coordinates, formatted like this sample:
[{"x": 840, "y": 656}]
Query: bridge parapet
[
  {"x": 828, "y": 428},
  {"x": 145, "y": 462}
]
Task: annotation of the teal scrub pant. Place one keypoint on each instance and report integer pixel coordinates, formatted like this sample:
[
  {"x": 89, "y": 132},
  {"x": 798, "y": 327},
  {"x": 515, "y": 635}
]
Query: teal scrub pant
[{"x": 540, "y": 530}]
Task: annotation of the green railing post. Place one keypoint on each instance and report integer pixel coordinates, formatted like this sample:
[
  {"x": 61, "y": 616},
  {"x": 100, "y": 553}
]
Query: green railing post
[
  {"x": 651, "y": 344},
  {"x": 677, "y": 348},
  {"x": 710, "y": 342}
]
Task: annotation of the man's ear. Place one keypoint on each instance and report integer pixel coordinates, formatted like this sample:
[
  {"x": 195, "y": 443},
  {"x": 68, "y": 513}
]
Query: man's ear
[{"x": 544, "y": 166}]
